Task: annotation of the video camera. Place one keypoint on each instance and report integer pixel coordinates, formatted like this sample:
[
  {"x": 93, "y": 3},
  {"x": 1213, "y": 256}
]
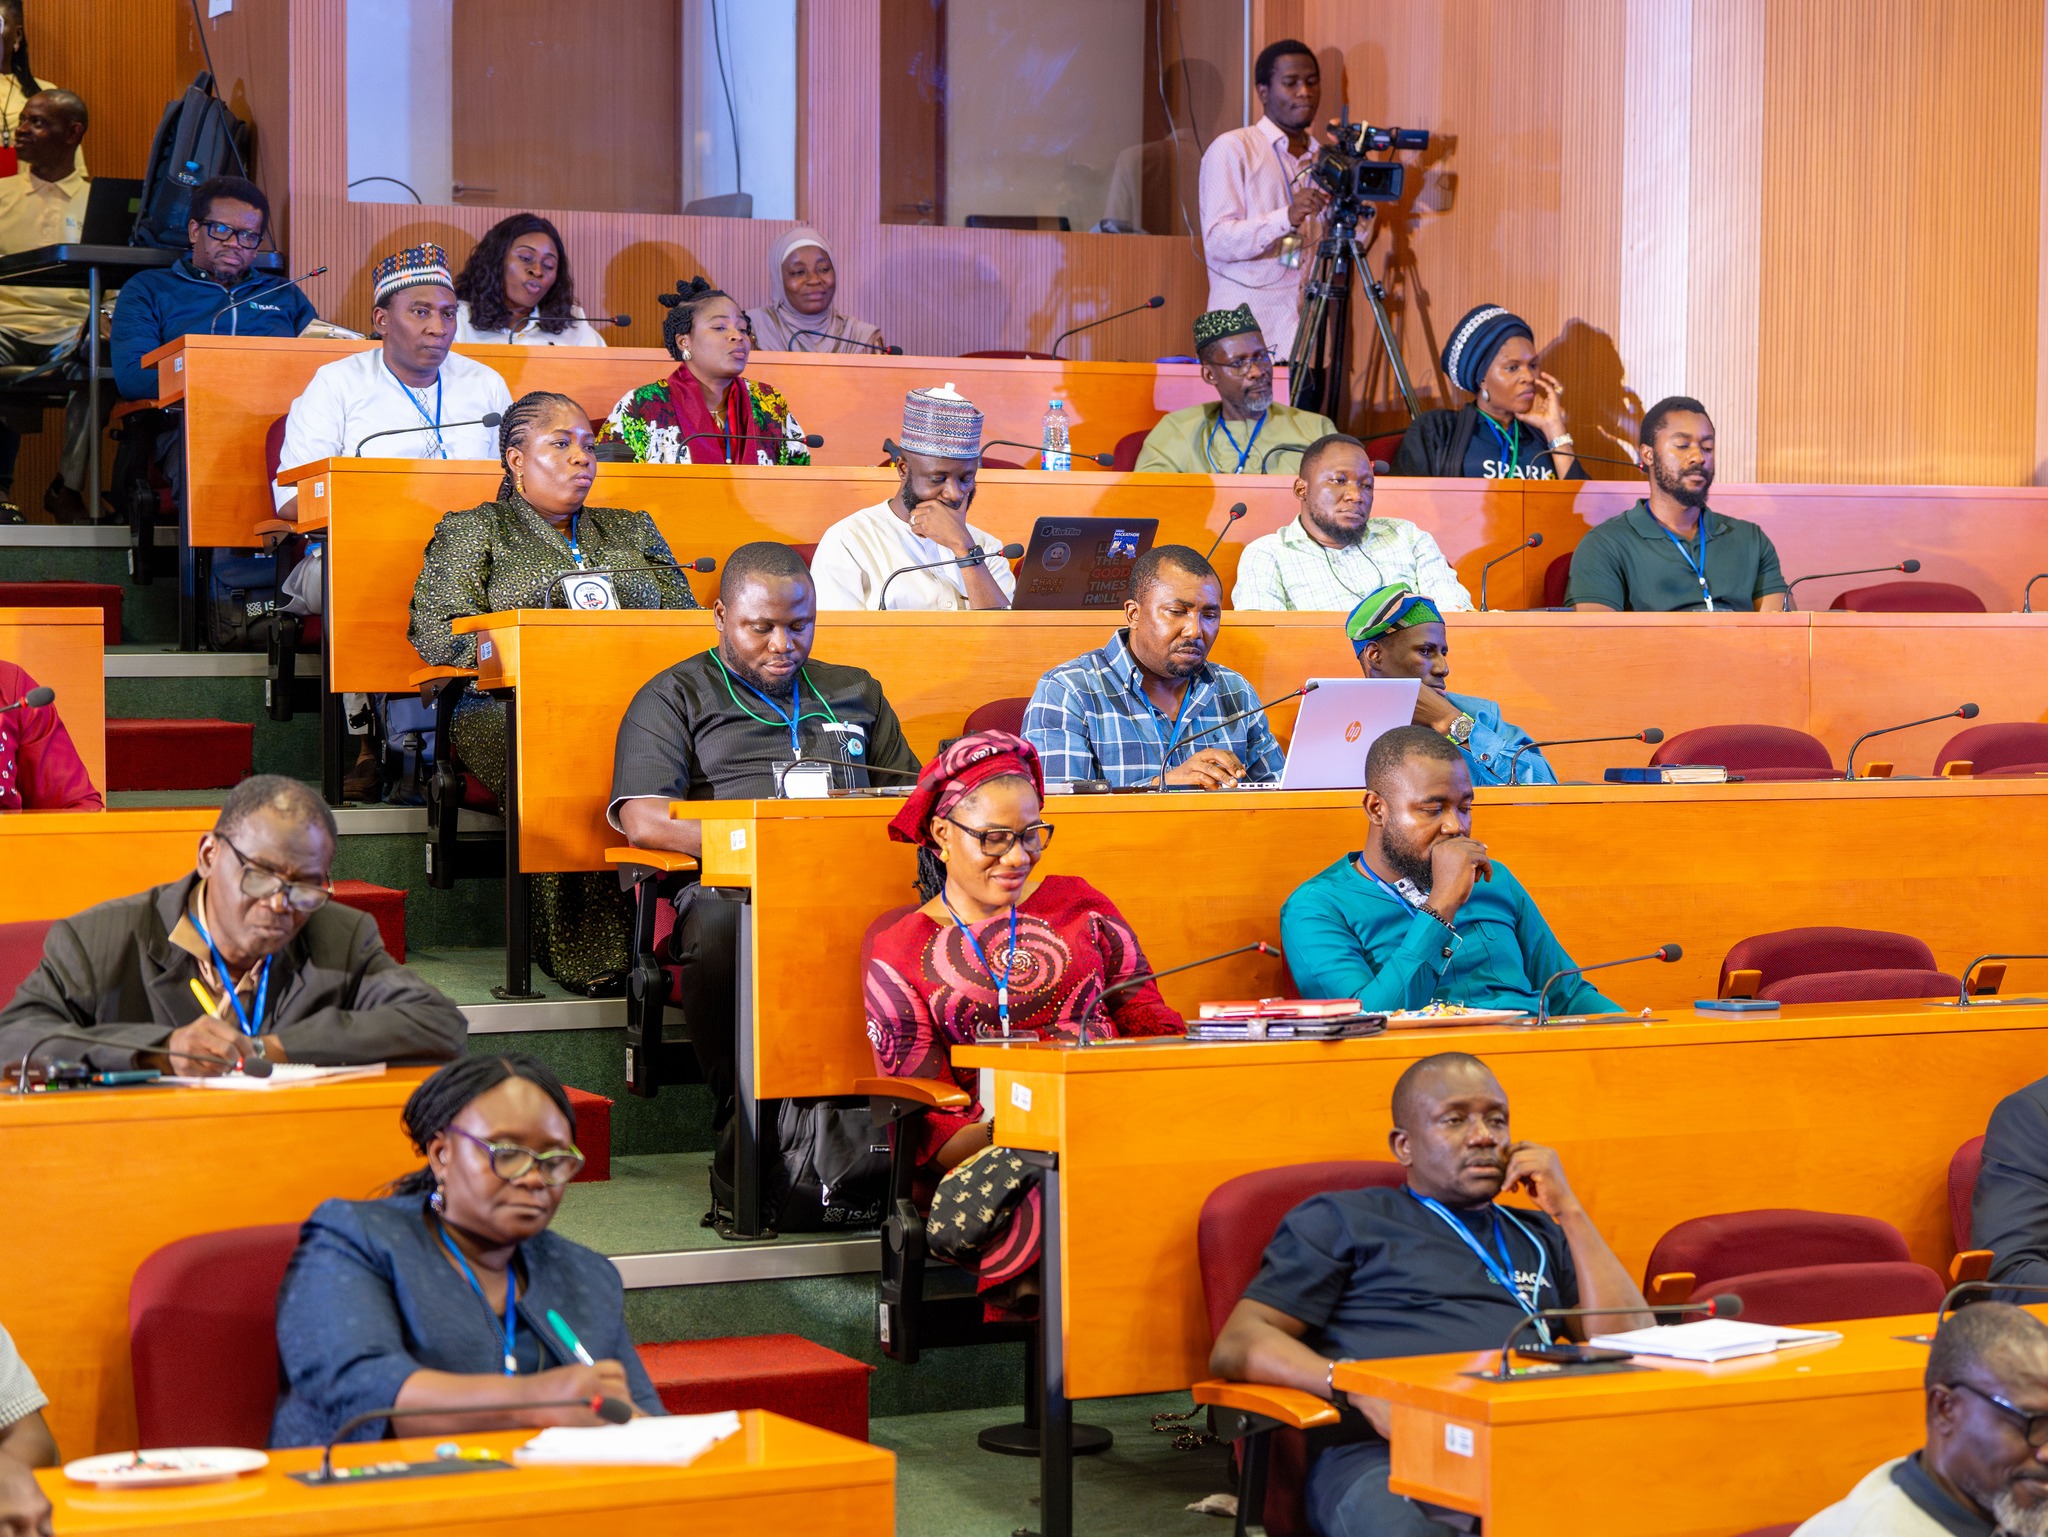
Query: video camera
[{"x": 1342, "y": 170}]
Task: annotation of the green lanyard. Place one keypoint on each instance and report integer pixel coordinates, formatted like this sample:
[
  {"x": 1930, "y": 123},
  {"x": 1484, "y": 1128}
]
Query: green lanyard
[{"x": 791, "y": 717}]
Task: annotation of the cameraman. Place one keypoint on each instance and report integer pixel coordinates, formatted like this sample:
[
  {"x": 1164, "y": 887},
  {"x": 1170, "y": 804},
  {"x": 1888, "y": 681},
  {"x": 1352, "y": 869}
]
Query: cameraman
[{"x": 1258, "y": 205}]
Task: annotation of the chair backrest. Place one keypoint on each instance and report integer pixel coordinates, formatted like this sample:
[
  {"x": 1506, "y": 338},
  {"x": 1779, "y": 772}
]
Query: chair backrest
[
  {"x": 21, "y": 951},
  {"x": 1383, "y": 449},
  {"x": 1242, "y": 1214},
  {"x": 273, "y": 447},
  {"x": 202, "y": 1337},
  {"x": 1759, "y": 751},
  {"x": 1963, "y": 1170},
  {"x": 1862, "y": 986},
  {"x": 1557, "y": 580},
  {"x": 1814, "y": 1294},
  {"x": 1128, "y": 447},
  {"x": 1910, "y": 598},
  {"x": 1775, "y": 1238},
  {"x": 804, "y": 552},
  {"x": 989, "y": 463},
  {"x": 2021, "y": 744},
  {"x": 998, "y": 715},
  {"x": 1786, "y": 953}
]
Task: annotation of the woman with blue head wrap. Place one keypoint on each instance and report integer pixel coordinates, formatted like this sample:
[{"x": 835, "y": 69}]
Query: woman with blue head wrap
[{"x": 1514, "y": 428}]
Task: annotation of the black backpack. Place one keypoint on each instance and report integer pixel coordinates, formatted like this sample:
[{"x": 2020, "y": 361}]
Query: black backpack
[
  {"x": 829, "y": 1169},
  {"x": 198, "y": 138}
]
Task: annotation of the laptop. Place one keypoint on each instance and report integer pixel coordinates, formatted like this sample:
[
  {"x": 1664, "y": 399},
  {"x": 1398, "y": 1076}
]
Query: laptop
[
  {"x": 112, "y": 205},
  {"x": 1081, "y": 563},
  {"x": 1338, "y": 723}
]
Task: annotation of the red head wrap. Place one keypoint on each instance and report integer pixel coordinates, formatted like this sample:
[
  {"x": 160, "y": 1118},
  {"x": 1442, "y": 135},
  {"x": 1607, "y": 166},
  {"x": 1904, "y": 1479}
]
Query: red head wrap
[{"x": 956, "y": 773}]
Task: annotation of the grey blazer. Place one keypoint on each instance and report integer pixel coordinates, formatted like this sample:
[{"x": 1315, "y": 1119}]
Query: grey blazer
[{"x": 337, "y": 995}]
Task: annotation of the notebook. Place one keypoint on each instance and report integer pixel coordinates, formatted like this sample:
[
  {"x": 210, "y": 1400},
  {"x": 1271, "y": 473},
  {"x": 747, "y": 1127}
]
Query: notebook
[
  {"x": 674, "y": 1440},
  {"x": 284, "y": 1075},
  {"x": 1711, "y": 1339}
]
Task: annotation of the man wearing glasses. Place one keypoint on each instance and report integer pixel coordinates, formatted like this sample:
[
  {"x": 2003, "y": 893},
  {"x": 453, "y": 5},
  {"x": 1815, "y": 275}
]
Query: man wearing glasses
[
  {"x": 244, "y": 957},
  {"x": 1984, "y": 1470},
  {"x": 1243, "y": 429}
]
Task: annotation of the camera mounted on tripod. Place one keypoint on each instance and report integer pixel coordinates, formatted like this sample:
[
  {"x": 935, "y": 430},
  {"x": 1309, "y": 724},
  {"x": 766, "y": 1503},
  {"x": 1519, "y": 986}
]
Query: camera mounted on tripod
[{"x": 1342, "y": 169}]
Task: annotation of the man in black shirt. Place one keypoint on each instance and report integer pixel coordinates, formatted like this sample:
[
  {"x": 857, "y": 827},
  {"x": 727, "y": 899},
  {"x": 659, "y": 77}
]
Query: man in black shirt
[
  {"x": 1432, "y": 1267},
  {"x": 716, "y": 727}
]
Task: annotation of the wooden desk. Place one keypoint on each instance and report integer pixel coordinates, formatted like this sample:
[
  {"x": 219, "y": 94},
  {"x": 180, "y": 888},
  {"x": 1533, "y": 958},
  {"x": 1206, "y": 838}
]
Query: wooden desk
[
  {"x": 55, "y": 863},
  {"x": 1683, "y": 1450},
  {"x": 65, "y": 648},
  {"x": 1655, "y": 1123},
  {"x": 101, "y": 1181},
  {"x": 776, "y": 1478}
]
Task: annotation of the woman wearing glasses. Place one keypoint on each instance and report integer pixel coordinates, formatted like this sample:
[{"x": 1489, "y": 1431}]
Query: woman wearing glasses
[
  {"x": 450, "y": 1292},
  {"x": 995, "y": 948}
]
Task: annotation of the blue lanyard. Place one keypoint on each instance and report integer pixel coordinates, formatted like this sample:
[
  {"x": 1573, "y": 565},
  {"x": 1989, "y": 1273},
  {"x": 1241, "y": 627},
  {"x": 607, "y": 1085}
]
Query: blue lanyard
[
  {"x": 1391, "y": 890},
  {"x": 1208, "y": 443},
  {"x": 1502, "y": 1269},
  {"x": 434, "y": 421},
  {"x": 511, "y": 1297},
  {"x": 1511, "y": 440},
  {"x": 248, "y": 1021},
  {"x": 575, "y": 549},
  {"x": 1186, "y": 698},
  {"x": 1002, "y": 982},
  {"x": 789, "y": 718},
  {"x": 1697, "y": 567}
]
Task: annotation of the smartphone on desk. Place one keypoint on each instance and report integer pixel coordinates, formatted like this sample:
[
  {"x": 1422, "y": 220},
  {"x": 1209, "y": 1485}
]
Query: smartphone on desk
[{"x": 1736, "y": 1005}]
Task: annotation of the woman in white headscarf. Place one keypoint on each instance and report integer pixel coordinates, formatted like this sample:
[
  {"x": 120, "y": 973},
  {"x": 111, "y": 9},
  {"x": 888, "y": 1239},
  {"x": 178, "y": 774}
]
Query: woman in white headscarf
[{"x": 806, "y": 283}]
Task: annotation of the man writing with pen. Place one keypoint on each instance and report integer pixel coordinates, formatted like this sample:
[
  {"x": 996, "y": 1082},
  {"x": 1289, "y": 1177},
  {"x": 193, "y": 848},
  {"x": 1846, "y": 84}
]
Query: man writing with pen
[{"x": 246, "y": 956}]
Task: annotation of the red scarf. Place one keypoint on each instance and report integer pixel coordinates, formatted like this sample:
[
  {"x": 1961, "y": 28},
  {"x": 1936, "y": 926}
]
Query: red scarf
[{"x": 716, "y": 445}]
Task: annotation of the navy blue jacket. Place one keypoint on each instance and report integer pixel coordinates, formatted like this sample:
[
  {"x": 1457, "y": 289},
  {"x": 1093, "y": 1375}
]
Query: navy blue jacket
[
  {"x": 370, "y": 1298},
  {"x": 166, "y": 303}
]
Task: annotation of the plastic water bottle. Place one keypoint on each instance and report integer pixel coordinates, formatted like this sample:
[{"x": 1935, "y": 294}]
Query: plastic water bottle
[
  {"x": 1057, "y": 452},
  {"x": 186, "y": 179}
]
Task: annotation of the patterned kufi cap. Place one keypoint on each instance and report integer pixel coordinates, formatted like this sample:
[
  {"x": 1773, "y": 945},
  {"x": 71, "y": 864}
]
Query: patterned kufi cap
[
  {"x": 1474, "y": 341},
  {"x": 414, "y": 267},
  {"x": 1217, "y": 324},
  {"x": 1398, "y": 607},
  {"x": 941, "y": 423}
]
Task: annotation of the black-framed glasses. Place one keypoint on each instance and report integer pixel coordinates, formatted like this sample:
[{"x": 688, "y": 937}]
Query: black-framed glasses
[
  {"x": 1244, "y": 365},
  {"x": 2033, "y": 1426},
  {"x": 997, "y": 841},
  {"x": 227, "y": 234},
  {"x": 510, "y": 1161},
  {"x": 260, "y": 883}
]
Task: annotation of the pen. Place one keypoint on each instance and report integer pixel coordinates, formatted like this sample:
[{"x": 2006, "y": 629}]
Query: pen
[
  {"x": 568, "y": 1338},
  {"x": 205, "y": 1002}
]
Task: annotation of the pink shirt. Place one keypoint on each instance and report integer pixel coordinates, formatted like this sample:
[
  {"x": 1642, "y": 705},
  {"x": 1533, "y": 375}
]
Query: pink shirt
[
  {"x": 39, "y": 768},
  {"x": 1248, "y": 175}
]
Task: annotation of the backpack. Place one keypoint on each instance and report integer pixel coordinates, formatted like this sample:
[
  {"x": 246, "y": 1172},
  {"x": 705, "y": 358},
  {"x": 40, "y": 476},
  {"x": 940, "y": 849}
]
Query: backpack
[
  {"x": 829, "y": 1168},
  {"x": 198, "y": 138},
  {"x": 241, "y": 591}
]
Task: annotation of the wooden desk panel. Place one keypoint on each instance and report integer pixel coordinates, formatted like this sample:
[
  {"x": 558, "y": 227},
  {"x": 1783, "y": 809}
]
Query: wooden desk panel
[
  {"x": 102, "y": 1181},
  {"x": 776, "y": 1478},
  {"x": 1655, "y": 1124},
  {"x": 55, "y": 863},
  {"x": 65, "y": 649}
]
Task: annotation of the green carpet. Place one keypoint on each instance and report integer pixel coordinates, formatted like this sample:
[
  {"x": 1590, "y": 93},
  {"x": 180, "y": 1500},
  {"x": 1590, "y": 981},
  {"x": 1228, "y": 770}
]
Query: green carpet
[{"x": 651, "y": 1205}]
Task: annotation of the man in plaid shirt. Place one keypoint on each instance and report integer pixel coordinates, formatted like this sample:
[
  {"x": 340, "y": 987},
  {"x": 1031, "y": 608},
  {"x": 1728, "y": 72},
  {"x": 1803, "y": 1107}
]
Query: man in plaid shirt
[{"x": 1152, "y": 693}]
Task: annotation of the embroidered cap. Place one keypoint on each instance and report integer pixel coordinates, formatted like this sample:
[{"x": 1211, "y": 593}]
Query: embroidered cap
[
  {"x": 1217, "y": 324},
  {"x": 422, "y": 265},
  {"x": 941, "y": 423},
  {"x": 1396, "y": 607}
]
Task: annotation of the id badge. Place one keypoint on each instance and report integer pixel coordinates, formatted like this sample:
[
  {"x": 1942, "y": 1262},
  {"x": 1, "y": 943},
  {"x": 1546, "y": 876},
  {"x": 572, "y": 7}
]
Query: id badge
[{"x": 588, "y": 590}]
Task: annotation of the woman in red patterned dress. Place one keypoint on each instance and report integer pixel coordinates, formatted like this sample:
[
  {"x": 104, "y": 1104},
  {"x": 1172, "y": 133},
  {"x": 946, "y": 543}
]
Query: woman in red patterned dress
[{"x": 998, "y": 947}]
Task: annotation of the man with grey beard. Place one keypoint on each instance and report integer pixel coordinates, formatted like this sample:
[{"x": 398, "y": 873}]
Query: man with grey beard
[{"x": 1984, "y": 1470}]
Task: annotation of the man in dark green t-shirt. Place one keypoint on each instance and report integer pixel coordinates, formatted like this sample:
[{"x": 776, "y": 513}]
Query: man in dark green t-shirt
[{"x": 1671, "y": 553}]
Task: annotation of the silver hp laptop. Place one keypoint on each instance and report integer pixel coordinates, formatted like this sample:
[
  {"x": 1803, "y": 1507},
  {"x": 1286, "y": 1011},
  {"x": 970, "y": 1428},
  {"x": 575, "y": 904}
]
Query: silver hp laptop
[{"x": 1338, "y": 723}]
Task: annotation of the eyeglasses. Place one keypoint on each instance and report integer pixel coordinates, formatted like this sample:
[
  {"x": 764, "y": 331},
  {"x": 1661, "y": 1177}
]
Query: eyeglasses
[
  {"x": 510, "y": 1161},
  {"x": 260, "y": 883},
  {"x": 997, "y": 841},
  {"x": 227, "y": 234},
  {"x": 2033, "y": 1426},
  {"x": 1244, "y": 365}
]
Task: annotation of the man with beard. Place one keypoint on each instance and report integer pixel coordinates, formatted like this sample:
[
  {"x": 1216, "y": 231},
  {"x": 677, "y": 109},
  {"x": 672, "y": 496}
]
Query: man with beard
[
  {"x": 1336, "y": 551},
  {"x": 1421, "y": 915},
  {"x": 1433, "y": 1266},
  {"x": 1151, "y": 698},
  {"x": 1983, "y": 1472},
  {"x": 925, "y": 521},
  {"x": 715, "y": 727},
  {"x": 1671, "y": 553},
  {"x": 1242, "y": 429}
]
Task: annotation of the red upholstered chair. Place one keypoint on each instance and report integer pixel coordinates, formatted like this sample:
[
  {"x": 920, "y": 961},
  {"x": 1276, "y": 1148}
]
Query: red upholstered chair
[
  {"x": 1042, "y": 356},
  {"x": 2002, "y": 750},
  {"x": 1910, "y": 598},
  {"x": 1557, "y": 580},
  {"x": 1963, "y": 1170},
  {"x": 1237, "y": 1222},
  {"x": 804, "y": 552},
  {"x": 1782, "y": 1529},
  {"x": 1755, "y": 752},
  {"x": 1385, "y": 447},
  {"x": 988, "y": 463},
  {"x": 1785, "y": 953},
  {"x": 21, "y": 951},
  {"x": 997, "y": 715},
  {"x": 1792, "y": 1267},
  {"x": 1128, "y": 447},
  {"x": 273, "y": 448},
  {"x": 1863, "y": 986},
  {"x": 202, "y": 1337}
]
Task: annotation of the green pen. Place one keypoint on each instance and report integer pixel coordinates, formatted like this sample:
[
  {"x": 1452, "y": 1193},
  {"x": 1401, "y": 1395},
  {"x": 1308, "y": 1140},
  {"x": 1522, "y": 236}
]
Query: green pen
[{"x": 567, "y": 1336}]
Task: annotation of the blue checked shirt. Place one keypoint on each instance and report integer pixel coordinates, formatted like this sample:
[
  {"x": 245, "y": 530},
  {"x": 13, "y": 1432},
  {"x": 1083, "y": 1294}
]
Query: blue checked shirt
[{"x": 1090, "y": 719}]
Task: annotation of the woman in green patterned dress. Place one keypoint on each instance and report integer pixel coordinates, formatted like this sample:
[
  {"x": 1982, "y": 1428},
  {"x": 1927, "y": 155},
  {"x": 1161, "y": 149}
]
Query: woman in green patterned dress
[{"x": 513, "y": 552}]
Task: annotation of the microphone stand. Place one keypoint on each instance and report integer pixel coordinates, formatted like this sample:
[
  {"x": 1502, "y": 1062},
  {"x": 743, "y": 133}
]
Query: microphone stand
[
  {"x": 1259, "y": 945},
  {"x": 1237, "y": 510},
  {"x": 894, "y": 352},
  {"x": 1908, "y": 566},
  {"x": 1280, "y": 448},
  {"x": 978, "y": 558},
  {"x": 1107, "y": 461},
  {"x": 1534, "y": 541},
  {"x": 1159, "y": 784},
  {"x": 1650, "y": 734},
  {"x": 613, "y": 1411},
  {"x": 254, "y": 1065},
  {"x": 1723, "y": 1305},
  {"x": 1963, "y": 1000},
  {"x": 2027, "y": 605},
  {"x": 488, "y": 419},
  {"x": 1663, "y": 953},
  {"x": 234, "y": 304},
  {"x": 1157, "y": 301},
  {"x": 1962, "y": 712}
]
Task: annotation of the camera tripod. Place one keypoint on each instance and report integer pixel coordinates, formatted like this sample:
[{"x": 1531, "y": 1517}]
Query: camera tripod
[{"x": 1318, "y": 364}]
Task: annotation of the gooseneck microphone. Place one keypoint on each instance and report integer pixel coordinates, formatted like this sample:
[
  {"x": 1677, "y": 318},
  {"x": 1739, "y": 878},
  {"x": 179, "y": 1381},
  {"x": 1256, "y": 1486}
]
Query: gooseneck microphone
[
  {"x": 1237, "y": 510},
  {"x": 613, "y": 1411},
  {"x": 1107, "y": 461},
  {"x": 1960, "y": 712},
  {"x": 1909, "y": 566},
  {"x": 254, "y": 1065},
  {"x": 1157, "y": 301},
  {"x": 704, "y": 565},
  {"x": 1650, "y": 734},
  {"x": 606, "y": 320},
  {"x": 1533, "y": 542},
  {"x": 811, "y": 440},
  {"x": 1158, "y": 781},
  {"x": 1266, "y": 459},
  {"x": 2027, "y": 605},
  {"x": 1723, "y": 1305},
  {"x": 1142, "y": 978},
  {"x": 846, "y": 341},
  {"x": 488, "y": 419},
  {"x": 235, "y": 304},
  {"x": 1661, "y": 953},
  {"x": 34, "y": 699},
  {"x": 976, "y": 557},
  {"x": 1963, "y": 992},
  {"x": 1948, "y": 1303}
]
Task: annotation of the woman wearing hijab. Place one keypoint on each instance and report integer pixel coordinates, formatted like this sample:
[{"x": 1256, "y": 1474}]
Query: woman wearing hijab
[
  {"x": 516, "y": 289},
  {"x": 996, "y": 949},
  {"x": 805, "y": 284},
  {"x": 1513, "y": 429},
  {"x": 450, "y": 1291},
  {"x": 707, "y": 411}
]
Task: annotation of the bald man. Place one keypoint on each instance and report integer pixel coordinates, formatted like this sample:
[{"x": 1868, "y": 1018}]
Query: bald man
[
  {"x": 1431, "y": 1267},
  {"x": 1984, "y": 1470}
]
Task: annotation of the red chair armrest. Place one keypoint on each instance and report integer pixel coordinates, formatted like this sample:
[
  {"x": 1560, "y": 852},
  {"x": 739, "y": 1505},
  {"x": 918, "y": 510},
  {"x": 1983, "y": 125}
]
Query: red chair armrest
[{"x": 1285, "y": 1406}]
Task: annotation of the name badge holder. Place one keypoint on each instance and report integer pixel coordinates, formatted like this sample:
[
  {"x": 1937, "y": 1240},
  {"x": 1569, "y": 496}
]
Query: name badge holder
[{"x": 588, "y": 591}]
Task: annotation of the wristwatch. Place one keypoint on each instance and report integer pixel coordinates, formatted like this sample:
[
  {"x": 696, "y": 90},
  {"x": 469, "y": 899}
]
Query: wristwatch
[{"x": 1460, "y": 730}]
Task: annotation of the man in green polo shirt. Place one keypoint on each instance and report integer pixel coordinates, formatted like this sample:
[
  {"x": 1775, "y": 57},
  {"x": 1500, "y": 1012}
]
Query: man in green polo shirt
[{"x": 1671, "y": 553}]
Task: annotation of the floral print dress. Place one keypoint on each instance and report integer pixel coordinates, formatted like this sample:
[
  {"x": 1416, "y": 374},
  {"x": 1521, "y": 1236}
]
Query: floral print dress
[{"x": 667, "y": 422}]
